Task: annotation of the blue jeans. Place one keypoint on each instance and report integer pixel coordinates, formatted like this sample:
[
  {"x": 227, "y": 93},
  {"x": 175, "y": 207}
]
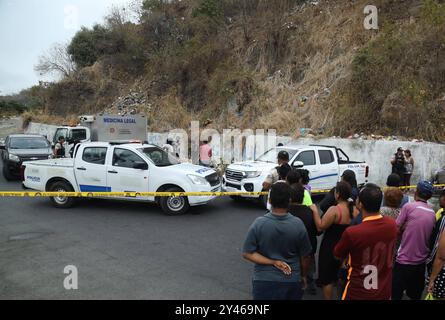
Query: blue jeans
[{"x": 273, "y": 290}]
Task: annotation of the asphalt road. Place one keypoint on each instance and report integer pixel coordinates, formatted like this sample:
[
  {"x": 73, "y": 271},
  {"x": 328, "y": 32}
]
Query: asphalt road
[{"x": 123, "y": 250}]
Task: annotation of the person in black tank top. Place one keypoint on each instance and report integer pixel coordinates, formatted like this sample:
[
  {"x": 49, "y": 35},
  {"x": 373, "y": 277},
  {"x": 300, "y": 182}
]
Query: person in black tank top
[{"x": 334, "y": 222}]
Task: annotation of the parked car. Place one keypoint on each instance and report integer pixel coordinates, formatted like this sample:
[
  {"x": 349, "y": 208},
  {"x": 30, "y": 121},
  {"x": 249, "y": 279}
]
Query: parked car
[
  {"x": 117, "y": 167},
  {"x": 18, "y": 149},
  {"x": 325, "y": 164}
]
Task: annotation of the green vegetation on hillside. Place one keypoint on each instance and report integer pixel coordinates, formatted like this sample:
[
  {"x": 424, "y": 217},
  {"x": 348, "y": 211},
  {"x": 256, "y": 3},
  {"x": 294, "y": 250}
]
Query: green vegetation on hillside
[
  {"x": 398, "y": 78},
  {"x": 280, "y": 64}
]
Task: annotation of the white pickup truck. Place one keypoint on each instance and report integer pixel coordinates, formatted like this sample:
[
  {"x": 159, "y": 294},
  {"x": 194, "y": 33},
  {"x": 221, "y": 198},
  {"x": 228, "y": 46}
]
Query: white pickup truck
[
  {"x": 115, "y": 167},
  {"x": 325, "y": 164}
]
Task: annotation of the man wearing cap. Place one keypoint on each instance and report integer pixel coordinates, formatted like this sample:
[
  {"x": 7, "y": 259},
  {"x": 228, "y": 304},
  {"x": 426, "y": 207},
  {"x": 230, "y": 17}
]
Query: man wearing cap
[
  {"x": 416, "y": 223},
  {"x": 398, "y": 164},
  {"x": 283, "y": 158}
]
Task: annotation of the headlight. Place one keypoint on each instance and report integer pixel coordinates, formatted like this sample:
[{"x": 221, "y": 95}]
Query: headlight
[
  {"x": 50, "y": 156},
  {"x": 14, "y": 158},
  {"x": 253, "y": 174},
  {"x": 197, "y": 179}
]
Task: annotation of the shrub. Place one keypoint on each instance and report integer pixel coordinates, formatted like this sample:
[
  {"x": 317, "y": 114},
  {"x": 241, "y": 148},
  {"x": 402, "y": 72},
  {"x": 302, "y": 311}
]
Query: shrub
[{"x": 209, "y": 8}]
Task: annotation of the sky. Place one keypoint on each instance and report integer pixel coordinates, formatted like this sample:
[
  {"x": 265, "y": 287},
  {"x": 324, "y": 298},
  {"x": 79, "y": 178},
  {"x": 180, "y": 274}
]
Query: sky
[{"x": 28, "y": 28}]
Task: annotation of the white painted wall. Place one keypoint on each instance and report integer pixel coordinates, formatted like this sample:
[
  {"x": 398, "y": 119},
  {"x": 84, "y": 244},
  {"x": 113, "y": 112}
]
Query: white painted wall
[
  {"x": 428, "y": 157},
  {"x": 41, "y": 129}
]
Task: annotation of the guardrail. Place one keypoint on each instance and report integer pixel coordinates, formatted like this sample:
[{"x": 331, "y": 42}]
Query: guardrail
[{"x": 36, "y": 194}]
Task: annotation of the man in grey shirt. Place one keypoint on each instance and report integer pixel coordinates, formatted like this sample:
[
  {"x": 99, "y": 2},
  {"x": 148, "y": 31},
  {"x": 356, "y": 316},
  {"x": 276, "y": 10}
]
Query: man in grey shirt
[{"x": 279, "y": 246}]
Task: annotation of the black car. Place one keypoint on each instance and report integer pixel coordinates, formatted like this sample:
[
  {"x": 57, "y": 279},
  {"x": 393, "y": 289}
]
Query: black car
[{"x": 19, "y": 148}]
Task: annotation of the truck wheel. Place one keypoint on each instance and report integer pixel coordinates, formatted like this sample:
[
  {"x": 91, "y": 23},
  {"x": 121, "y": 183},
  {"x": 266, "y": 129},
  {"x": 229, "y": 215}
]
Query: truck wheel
[
  {"x": 174, "y": 206},
  {"x": 8, "y": 176},
  {"x": 61, "y": 202}
]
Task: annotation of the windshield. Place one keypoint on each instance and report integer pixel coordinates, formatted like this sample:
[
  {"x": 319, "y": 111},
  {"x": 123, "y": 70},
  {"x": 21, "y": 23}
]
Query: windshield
[
  {"x": 272, "y": 154},
  {"x": 60, "y": 133},
  {"x": 29, "y": 143},
  {"x": 159, "y": 157}
]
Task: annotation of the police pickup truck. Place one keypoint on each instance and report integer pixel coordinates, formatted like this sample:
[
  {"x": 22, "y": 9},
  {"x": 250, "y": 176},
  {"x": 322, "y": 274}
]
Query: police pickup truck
[
  {"x": 118, "y": 167},
  {"x": 325, "y": 164}
]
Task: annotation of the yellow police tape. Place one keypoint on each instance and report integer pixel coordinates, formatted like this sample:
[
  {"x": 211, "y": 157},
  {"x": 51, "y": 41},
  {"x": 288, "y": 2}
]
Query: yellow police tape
[{"x": 37, "y": 194}]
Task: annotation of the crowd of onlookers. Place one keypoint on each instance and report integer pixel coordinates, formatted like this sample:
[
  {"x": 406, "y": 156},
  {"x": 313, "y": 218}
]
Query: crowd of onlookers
[{"x": 376, "y": 244}]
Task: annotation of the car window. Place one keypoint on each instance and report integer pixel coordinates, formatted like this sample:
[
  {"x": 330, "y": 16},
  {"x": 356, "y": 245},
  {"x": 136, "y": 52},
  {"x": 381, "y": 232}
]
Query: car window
[
  {"x": 78, "y": 134},
  {"x": 32, "y": 143},
  {"x": 271, "y": 155},
  {"x": 307, "y": 157},
  {"x": 159, "y": 157},
  {"x": 95, "y": 155},
  {"x": 60, "y": 133},
  {"x": 125, "y": 158},
  {"x": 326, "y": 156}
]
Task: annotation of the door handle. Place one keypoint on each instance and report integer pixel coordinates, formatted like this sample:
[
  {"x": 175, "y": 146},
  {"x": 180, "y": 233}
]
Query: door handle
[
  {"x": 82, "y": 169},
  {"x": 113, "y": 172}
]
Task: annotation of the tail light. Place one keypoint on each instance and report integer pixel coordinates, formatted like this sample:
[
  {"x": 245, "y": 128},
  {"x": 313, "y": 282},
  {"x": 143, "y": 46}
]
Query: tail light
[
  {"x": 22, "y": 173},
  {"x": 367, "y": 172}
]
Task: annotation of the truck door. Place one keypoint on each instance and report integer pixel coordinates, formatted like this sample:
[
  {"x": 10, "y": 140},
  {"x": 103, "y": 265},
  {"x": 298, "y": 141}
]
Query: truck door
[
  {"x": 328, "y": 170},
  {"x": 127, "y": 172},
  {"x": 310, "y": 163},
  {"x": 90, "y": 169}
]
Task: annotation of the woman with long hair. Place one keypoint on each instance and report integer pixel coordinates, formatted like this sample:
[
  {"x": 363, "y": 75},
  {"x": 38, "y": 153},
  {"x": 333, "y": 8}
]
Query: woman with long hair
[
  {"x": 334, "y": 222},
  {"x": 329, "y": 200},
  {"x": 409, "y": 168}
]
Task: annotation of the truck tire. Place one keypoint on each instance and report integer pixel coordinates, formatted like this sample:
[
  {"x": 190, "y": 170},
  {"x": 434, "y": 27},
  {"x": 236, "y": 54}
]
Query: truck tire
[
  {"x": 174, "y": 206},
  {"x": 61, "y": 202},
  {"x": 8, "y": 176}
]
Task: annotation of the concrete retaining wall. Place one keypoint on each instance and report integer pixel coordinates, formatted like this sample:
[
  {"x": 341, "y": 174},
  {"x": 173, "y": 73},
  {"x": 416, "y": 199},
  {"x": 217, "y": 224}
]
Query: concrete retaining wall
[
  {"x": 428, "y": 157},
  {"x": 42, "y": 129}
]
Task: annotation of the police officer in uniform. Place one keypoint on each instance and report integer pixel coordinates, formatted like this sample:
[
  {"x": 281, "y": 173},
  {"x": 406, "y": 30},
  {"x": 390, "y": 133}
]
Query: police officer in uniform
[
  {"x": 283, "y": 158},
  {"x": 273, "y": 176},
  {"x": 59, "y": 149},
  {"x": 398, "y": 164}
]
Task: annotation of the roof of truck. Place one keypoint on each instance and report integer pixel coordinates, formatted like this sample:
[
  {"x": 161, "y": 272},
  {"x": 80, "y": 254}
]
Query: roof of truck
[
  {"x": 129, "y": 145},
  {"x": 300, "y": 146}
]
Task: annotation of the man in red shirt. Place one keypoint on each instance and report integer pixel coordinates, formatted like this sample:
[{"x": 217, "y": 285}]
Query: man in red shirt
[{"x": 369, "y": 248}]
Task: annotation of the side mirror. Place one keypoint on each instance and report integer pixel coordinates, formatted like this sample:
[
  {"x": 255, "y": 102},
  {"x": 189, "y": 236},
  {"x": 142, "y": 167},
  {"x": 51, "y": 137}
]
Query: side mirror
[
  {"x": 140, "y": 165},
  {"x": 298, "y": 164},
  {"x": 2, "y": 147}
]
